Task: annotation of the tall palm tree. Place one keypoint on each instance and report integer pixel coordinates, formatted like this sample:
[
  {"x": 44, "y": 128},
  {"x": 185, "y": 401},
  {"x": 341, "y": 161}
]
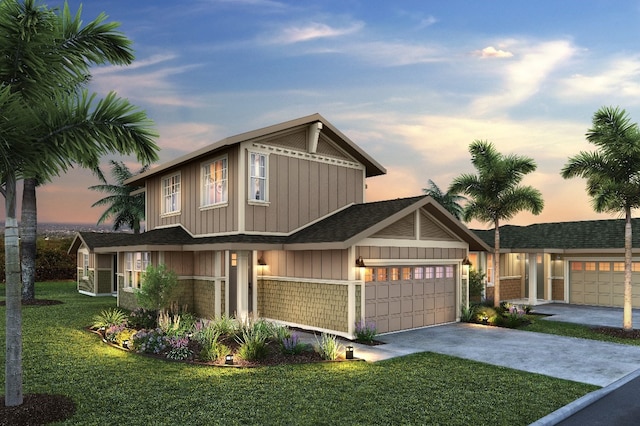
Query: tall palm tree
[
  {"x": 127, "y": 209},
  {"x": 95, "y": 43},
  {"x": 495, "y": 193},
  {"x": 613, "y": 178},
  {"x": 52, "y": 123},
  {"x": 450, "y": 201}
]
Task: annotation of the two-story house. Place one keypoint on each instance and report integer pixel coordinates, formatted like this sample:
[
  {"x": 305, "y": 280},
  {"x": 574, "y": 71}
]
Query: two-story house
[{"x": 273, "y": 223}]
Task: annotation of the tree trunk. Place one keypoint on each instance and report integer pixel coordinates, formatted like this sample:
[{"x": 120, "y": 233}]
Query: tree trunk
[
  {"x": 496, "y": 264},
  {"x": 28, "y": 241},
  {"x": 627, "y": 315},
  {"x": 13, "y": 340}
]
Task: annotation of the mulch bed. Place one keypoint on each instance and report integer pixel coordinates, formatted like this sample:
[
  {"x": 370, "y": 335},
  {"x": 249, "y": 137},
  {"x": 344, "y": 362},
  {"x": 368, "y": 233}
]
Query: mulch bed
[
  {"x": 618, "y": 332},
  {"x": 38, "y": 409}
]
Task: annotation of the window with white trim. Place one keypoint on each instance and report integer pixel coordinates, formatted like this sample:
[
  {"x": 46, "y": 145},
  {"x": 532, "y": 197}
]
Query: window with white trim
[
  {"x": 214, "y": 182},
  {"x": 85, "y": 265},
  {"x": 134, "y": 265},
  {"x": 171, "y": 194},
  {"x": 257, "y": 177}
]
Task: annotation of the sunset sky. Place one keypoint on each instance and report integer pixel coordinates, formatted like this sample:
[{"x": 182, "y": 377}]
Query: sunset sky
[{"x": 412, "y": 82}]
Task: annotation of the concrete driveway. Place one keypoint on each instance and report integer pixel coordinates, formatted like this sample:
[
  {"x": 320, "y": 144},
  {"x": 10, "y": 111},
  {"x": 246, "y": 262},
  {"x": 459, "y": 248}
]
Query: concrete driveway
[{"x": 580, "y": 360}]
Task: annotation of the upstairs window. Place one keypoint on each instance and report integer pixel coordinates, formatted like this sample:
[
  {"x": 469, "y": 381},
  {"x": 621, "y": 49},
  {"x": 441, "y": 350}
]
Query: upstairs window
[
  {"x": 257, "y": 177},
  {"x": 214, "y": 182},
  {"x": 171, "y": 194}
]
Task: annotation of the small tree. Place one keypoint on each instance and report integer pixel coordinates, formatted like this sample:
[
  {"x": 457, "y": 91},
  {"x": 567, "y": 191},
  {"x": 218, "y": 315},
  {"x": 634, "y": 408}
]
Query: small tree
[
  {"x": 157, "y": 288},
  {"x": 476, "y": 284}
]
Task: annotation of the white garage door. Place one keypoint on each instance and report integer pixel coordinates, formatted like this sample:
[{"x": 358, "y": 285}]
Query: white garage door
[
  {"x": 404, "y": 297},
  {"x": 601, "y": 283}
]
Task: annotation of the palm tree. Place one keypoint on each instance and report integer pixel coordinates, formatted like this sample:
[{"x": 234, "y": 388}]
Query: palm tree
[
  {"x": 496, "y": 194},
  {"x": 613, "y": 178},
  {"x": 47, "y": 123},
  {"x": 127, "y": 209},
  {"x": 95, "y": 43},
  {"x": 450, "y": 201}
]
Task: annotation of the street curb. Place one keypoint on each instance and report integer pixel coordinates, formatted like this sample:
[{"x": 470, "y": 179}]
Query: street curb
[{"x": 570, "y": 409}]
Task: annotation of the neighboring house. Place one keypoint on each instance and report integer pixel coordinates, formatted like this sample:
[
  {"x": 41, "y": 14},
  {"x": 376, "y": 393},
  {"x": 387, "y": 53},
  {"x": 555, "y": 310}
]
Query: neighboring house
[
  {"x": 573, "y": 262},
  {"x": 273, "y": 223}
]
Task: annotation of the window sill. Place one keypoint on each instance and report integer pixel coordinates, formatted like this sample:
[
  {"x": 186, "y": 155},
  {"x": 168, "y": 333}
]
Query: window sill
[
  {"x": 258, "y": 203},
  {"x": 128, "y": 289},
  {"x": 171, "y": 214},
  {"x": 214, "y": 206}
]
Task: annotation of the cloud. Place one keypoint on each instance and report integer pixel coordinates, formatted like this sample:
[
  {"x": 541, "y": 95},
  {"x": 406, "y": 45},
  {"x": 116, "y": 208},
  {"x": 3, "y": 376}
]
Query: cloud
[
  {"x": 492, "y": 52},
  {"x": 620, "y": 77},
  {"x": 187, "y": 137},
  {"x": 427, "y": 22},
  {"x": 313, "y": 31},
  {"x": 522, "y": 78}
]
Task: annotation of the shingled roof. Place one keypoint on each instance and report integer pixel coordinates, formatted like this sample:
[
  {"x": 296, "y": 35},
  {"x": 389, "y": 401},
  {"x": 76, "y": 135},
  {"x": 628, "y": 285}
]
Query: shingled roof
[
  {"x": 591, "y": 234},
  {"x": 339, "y": 230}
]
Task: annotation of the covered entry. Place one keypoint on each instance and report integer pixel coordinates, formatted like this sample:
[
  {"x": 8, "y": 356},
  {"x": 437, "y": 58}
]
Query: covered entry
[{"x": 405, "y": 297}]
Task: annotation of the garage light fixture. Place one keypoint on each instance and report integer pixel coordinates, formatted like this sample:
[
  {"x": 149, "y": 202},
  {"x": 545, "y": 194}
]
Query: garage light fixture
[
  {"x": 466, "y": 262},
  {"x": 360, "y": 262},
  {"x": 261, "y": 261}
]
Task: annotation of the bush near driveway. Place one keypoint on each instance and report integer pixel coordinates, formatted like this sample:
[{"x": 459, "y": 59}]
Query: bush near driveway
[{"x": 111, "y": 386}]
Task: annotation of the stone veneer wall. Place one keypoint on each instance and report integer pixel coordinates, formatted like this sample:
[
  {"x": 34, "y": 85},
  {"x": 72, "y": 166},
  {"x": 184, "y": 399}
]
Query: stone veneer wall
[
  {"x": 315, "y": 304},
  {"x": 204, "y": 298},
  {"x": 85, "y": 285},
  {"x": 511, "y": 289},
  {"x": 557, "y": 289}
]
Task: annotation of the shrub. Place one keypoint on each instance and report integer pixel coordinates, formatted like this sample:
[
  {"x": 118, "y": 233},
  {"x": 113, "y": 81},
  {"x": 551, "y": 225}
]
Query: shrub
[
  {"x": 179, "y": 348},
  {"x": 514, "y": 317},
  {"x": 486, "y": 314},
  {"x": 109, "y": 317},
  {"x": 141, "y": 318},
  {"x": 476, "y": 284},
  {"x": 365, "y": 331},
  {"x": 150, "y": 341},
  {"x": 468, "y": 314},
  {"x": 214, "y": 351},
  {"x": 253, "y": 340},
  {"x": 292, "y": 345},
  {"x": 157, "y": 288},
  {"x": 328, "y": 347},
  {"x": 112, "y": 332},
  {"x": 225, "y": 325}
]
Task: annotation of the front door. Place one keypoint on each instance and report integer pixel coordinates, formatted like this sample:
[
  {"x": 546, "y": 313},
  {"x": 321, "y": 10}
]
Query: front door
[{"x": 240, "y": 283}]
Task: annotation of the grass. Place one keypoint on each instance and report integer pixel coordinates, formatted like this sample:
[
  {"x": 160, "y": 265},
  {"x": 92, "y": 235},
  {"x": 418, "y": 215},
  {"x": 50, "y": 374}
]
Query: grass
[
  {"x": 110, "y": 386},
  {"x": 574, "y": 330}
]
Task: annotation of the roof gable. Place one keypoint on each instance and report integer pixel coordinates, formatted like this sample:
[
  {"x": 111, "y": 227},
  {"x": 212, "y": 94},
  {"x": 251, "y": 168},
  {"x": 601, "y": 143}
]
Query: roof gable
[{"x": 328, "y": 132}]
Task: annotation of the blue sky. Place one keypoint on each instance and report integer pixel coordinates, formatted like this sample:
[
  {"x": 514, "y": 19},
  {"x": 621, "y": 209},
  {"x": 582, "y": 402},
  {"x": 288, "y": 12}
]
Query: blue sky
[{"x": 412, "y": 82}]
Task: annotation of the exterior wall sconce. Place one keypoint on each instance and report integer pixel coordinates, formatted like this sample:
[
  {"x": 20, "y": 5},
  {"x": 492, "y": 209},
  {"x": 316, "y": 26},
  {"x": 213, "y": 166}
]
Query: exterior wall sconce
[
  {"x": 228, "y": 360},
  {"x": 466, "y": 262},
  {"x": 348, "y": 354},
  {"x": 360, "y": 262},
  {"x": 261, "y": 261}
]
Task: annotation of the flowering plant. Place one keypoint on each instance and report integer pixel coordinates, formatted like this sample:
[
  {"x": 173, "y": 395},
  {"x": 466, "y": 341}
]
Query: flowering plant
[
  {"x": 179, "y": 348},
  {"x": 365, "y": 331},
  {"x": 149, "y": 341}
]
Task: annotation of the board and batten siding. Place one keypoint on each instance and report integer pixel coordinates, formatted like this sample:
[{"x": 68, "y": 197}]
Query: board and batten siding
[
  {"x": 400, "y": 253},
  {"x": 307, "y": 264},
  {"x": 301, "y": 191},
  {"x": 197, "y": 220}
]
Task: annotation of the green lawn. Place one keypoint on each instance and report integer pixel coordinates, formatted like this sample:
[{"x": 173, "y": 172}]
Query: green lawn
[
  {"x": 574, "y": 330},
  {"x": 110, "y": 386}
]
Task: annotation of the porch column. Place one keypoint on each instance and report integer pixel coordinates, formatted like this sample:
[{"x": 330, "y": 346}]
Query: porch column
[
  {"x": 217, "y": 283},
  {"x": 242, "y": 308},
  {"x": 533, "y": 278}
]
